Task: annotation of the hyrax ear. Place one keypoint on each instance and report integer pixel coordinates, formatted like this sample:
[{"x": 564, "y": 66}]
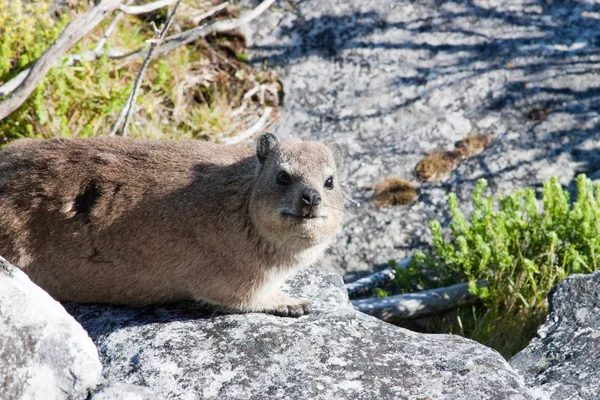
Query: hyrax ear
[
  {"x": 339, "y": 153},
  {"x": 266, "y": 143}
]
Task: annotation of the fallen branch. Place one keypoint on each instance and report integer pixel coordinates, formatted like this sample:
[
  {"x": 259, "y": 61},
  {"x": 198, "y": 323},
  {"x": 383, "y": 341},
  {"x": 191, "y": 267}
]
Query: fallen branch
[
  {"x": 251, "y": 131},
  {"x": 375, "y": 280},
  {"x": 71, "y": 35},
  {"x": 129, "y": 105},
  {"x": 419, "y": 304}
]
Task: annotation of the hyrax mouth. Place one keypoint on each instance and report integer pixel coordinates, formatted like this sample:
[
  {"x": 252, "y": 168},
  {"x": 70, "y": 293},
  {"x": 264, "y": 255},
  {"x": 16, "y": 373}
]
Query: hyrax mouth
[{"x": 300, "y": 217}]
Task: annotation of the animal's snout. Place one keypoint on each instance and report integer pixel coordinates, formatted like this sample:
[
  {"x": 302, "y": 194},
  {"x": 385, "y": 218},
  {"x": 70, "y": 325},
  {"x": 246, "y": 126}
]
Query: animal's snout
[{"x": 310, "y": 198}]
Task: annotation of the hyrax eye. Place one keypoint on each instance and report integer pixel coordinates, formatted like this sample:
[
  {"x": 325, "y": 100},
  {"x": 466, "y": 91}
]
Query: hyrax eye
[
  {"x": 329, "y": 183},
  {"x": 283, "y": 178}
]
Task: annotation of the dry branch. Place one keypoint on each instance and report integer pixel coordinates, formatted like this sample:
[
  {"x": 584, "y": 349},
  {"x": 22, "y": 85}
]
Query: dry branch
[
  {"x": 180, "y": 39},
  {"x": 128, "y": 109},
  {"x": 88, "y": 56},
  {"x": 21, "y": 86},
  {"x": 71, "y": 35},
  {"x": 419, "y": 304},
  {"x": 99, "y": 49},
  {"x": 146, "y": 8},
  {"x": 377, "y": 279},
  {"x": 201, "y": 17},
  {"x": 251, "y": 131}
]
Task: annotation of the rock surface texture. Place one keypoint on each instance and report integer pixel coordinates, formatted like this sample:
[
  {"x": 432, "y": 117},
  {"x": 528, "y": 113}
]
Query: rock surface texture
[
  {"x": 44, "y": 352},
  {"x": 562, "y": 362},
  {"x": 123, "y": 391},
  {"x": 394, "y": 80},
  {"x": 334, "y": 353}
]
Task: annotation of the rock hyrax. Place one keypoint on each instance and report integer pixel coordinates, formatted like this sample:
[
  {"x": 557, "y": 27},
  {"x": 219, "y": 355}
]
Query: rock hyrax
[{"x": 137, "y": 222}]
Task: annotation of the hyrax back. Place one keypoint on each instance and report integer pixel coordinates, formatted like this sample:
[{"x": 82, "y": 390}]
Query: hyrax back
[{"x": 126, "y": 221}]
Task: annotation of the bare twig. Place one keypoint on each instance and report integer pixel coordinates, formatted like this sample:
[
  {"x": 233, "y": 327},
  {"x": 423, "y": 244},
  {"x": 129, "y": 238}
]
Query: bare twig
[
  {"x": 99, "y": 49},
  {"x": 14, "y": 82},
  {"x": 377, "y": 279},
  {"x": 71, "y": 35},
  {"x": 419, "y": 304},
  {"x": 129, "y": 105},
  {"x": 199, "y": 18},
  {"x": 180, "y": 39},
  {"x": 146, "y": 8},
  {"x": 88, "y": 56},
  {"x": 251, "y": 131},
  {"x": 21, "y": 86}
]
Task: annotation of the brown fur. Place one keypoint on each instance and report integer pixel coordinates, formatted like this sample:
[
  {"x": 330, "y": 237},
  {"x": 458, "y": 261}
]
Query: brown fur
[{"x": 136, "y": 222}]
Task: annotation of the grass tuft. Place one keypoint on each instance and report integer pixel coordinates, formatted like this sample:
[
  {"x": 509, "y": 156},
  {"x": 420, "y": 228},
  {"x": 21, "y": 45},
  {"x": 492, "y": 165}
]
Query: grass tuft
[{"x": 394, "y": 192}]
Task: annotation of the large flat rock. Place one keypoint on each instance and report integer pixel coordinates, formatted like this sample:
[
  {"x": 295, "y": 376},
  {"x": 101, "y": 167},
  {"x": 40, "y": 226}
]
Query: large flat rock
[
  {"x": 562, "y": 361},
  {"x": 394, "y": 80},
  {"x": 44, "y": 352},
  {"x": 181, "y": 352}
]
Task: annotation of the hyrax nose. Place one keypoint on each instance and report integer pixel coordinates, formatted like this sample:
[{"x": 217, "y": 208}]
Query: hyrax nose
[{"x": 311, "y": 197}]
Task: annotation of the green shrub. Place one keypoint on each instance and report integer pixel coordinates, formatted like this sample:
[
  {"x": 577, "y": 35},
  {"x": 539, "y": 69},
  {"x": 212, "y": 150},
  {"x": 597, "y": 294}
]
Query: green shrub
[{"x": 520, "y": 248}]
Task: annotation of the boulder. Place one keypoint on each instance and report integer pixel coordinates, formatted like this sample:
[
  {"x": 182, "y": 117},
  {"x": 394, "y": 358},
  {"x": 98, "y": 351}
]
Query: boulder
[
  {"x": 186, "y": 352},
  {"x": 44, "y": 352},
  {"x": 394, "y": 80},
  {"x": 123, "y": 391},
  {"x": 562, "y": 361}
]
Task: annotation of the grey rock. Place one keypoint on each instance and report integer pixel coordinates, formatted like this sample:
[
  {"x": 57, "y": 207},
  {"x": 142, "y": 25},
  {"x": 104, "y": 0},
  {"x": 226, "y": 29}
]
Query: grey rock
[
  {"x": 44, "y": 352},
  {"x": 396, "y": 79},
  {"x": 123, "y": 391},
  {"x": 184, "y": 352},
  {"x": 562, "y": 361}
]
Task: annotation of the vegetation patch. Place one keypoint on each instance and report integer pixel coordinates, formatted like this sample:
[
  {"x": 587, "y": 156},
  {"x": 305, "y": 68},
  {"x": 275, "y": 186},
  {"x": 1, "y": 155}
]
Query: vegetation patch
[
  {"x": 473, "y": 145},
  {"x": 436, "y": 165},
  {"x": 195, "y": 91},
  {"x": 520, "y": 247},
  {"x": 394, "y": 192}
]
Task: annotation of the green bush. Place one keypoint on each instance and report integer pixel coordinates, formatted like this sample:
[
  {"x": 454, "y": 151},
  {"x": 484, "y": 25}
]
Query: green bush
[{"x": 520, "y": 248}]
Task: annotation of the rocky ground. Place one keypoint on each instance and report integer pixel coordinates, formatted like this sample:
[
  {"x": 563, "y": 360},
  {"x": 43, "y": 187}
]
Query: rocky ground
[
  {"x": 184, "y": 351},
  {"x": 395, "y": 80},
  {"x": 561, "y": 362}
]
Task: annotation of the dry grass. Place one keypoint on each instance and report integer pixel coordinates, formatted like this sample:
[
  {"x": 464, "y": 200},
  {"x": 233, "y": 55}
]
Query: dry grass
[
  {"x": 473, "y": 145},
  {"x": 436, "y": 165},
  {"x": 394, "y": 192}
]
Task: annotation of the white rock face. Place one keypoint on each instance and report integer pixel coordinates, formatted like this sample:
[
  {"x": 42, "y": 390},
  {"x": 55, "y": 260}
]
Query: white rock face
[{"x": 44, "y": 353}]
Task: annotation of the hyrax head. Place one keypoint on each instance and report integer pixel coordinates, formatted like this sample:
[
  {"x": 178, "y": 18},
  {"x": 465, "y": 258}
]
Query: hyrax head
[{"x": 297, "y": 199}]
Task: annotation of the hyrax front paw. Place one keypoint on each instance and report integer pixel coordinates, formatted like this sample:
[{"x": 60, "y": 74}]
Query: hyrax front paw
[{"x": 289, "y": 308}]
